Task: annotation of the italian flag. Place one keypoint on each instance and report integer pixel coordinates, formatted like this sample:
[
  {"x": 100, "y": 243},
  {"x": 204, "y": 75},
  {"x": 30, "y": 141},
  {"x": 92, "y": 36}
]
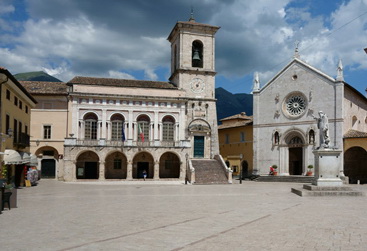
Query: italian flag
[{"x": 141, "y": 133}]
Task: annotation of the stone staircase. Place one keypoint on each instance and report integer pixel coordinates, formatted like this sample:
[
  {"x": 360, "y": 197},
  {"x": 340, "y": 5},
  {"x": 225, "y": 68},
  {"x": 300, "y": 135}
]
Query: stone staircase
[
  {"x": 288, "y": 178},
  {"x": 209, "y": 172}
]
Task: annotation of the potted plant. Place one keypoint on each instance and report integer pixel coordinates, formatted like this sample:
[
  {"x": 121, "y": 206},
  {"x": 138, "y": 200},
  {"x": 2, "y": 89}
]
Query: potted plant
[
  {"x": 309, "y": 172},
  {"x": 275, "y": 167}
]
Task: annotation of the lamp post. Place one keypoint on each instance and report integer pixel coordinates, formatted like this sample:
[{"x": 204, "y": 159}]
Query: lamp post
[{"x": 241, "y": 156}]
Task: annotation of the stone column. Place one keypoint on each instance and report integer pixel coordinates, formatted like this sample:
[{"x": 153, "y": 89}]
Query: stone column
[
  {"x": 101, "y": 170},
  {"x": 156, "y": 170},
  {"x": 129, "y": 175}
]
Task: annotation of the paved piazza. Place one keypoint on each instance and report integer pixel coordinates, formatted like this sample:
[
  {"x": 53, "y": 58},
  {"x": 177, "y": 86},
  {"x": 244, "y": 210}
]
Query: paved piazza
[{"x": 141, "y": 216}]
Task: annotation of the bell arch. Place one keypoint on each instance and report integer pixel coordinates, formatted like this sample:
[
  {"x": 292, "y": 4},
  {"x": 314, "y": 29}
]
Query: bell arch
[
  {"x": 169, "y": 165},
  {"x": 197, "y": 59}
]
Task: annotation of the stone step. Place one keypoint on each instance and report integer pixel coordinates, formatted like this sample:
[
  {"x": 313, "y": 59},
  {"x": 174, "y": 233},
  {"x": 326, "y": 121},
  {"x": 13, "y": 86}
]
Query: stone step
[
  {"x": 317, "y": 191},
  {"x": 288, "y": 178},
  {"x": 209, "y": 172}
]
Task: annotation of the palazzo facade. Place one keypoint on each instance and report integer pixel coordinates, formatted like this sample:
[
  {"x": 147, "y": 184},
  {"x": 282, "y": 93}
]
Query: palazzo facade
[{"x": 120, "y": 129}]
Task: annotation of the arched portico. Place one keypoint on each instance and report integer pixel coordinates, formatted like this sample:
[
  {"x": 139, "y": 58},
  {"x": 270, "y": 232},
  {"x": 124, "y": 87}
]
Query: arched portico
[
  {"x": 355, "y": 159},
  {"x": 169, "y": 165},
  {"x": 87, "y": 165},
  {"x": 116, "y": 166},
  {"x": 49, "y": 161},
  {"x": 143, "y": 161}
]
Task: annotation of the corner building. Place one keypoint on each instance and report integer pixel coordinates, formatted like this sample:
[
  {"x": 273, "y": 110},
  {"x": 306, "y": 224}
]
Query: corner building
[{"x": 120, "y": 129}]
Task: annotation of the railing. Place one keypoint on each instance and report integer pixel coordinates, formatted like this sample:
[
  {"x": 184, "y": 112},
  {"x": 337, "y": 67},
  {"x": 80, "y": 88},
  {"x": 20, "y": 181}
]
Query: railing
[
  {"x": 22, "y": 141},
  {"x": 227, "y": 169},
  {"x": 128, "y": 143}
]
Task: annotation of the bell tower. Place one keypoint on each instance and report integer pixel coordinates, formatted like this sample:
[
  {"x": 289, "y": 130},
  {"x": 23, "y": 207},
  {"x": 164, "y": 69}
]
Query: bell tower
[
  {"x": 193, "y": 70},
  {"x": 193, "y": 58}
]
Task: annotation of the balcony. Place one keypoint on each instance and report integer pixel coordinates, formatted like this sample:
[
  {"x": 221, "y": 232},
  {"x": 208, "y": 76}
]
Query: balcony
[
  {"x": 72, "y": 142},
  {"x": 22, "y": 141}
]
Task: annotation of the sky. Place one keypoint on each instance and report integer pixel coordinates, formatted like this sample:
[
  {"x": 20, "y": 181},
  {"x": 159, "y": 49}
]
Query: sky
[{"x": 128, "y": 38}]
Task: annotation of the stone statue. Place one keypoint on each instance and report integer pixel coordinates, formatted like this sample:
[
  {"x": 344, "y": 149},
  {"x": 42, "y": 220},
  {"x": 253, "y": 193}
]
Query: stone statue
[{"x": 323, "y": 126}]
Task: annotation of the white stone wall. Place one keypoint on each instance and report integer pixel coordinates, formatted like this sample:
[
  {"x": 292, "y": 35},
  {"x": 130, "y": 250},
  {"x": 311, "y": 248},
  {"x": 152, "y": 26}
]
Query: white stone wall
[{"x": 270, "y": 115}]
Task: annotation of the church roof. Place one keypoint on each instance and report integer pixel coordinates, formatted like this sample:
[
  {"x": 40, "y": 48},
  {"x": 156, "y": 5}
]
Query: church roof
[
  {"x": 236, "y": 120},
  {"x": 121, "y": 82},
  {"x": 47, "y": 88},
  {"x": 355, "y": 134}
]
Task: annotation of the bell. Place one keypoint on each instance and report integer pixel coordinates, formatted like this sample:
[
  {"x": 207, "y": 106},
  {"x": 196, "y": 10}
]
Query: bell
[{"x": 196, "y": 56}]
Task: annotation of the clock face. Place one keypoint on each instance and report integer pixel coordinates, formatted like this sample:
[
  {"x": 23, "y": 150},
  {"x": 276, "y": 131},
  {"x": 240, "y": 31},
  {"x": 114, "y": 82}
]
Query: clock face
[{"x": 197, "y": 85}]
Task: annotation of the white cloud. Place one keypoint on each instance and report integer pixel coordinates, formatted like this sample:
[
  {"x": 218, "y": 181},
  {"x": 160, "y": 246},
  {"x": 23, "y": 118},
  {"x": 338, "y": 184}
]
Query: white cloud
[
  {"x": 6, "y": 8},
  {"x": 117, "y": 74}
]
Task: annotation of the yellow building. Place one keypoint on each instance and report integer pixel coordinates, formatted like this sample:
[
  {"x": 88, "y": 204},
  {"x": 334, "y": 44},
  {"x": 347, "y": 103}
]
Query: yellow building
[
  {"x": 235, "y": 143},
  {"x": 15, "y": 115}
]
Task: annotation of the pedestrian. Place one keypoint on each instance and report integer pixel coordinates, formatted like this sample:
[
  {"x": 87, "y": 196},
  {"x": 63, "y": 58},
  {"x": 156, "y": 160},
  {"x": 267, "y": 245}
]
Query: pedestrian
[
  {"x": 271, "y": 170},
  {"x": 145, "y": 174}
]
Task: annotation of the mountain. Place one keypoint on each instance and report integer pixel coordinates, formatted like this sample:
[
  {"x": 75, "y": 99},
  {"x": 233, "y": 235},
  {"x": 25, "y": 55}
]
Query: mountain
[
  {"x": 229, "y": 104},
  {"x": 35, "y": 76}
]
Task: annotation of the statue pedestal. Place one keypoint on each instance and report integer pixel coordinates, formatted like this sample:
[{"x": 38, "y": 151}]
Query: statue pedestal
[{"x": 327, "y": 167}]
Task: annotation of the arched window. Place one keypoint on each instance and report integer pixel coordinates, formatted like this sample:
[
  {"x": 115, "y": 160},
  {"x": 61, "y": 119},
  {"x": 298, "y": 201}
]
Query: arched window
[
  {"x": 311, "y": 137},
  {"x": 197, "y": 54},
  {"x": 143, "y": 128},
  {"x": 117, "y": 122},
  {"x": 168, "y": 128},
  {"x": 354, "y": 121},
  {"x": 276, "y": 138},
  {"x": 90, "y": 128}
]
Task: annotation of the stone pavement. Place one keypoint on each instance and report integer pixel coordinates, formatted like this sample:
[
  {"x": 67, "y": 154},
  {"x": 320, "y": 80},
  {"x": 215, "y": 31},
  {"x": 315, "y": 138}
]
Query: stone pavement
[{"x": 140, "y": 216}]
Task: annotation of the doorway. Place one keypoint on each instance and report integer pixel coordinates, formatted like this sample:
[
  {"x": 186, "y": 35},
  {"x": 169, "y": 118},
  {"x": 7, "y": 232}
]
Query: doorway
[
  {"x": 198, "y": 146},
  {"x": 141, "y": 167},
  {"x": 91, "y": 170},
  {"x": 295, "y": 160},
  {"x": 48, "y": 168}
]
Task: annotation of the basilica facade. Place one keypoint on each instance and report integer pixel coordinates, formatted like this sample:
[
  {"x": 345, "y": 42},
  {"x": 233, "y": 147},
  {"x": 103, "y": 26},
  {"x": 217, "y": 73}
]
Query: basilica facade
[
  {"x": 124, "y": 129},
  {"x": 285, "y": 129}
]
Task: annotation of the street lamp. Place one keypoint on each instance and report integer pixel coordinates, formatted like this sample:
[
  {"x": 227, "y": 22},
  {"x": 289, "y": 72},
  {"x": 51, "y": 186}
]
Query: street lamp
[{"x": 241, "y": 156}]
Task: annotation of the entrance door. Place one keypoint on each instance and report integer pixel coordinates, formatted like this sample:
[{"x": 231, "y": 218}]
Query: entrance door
[
  {"x": 141, "y": 167},
  {"x": 295, "y": 160},
  {"x": 91, "y": 170},
  {"x": 48, "y": 169},
  {"x": 244, "y": 169},
  {"x": 198, "y": 146}
]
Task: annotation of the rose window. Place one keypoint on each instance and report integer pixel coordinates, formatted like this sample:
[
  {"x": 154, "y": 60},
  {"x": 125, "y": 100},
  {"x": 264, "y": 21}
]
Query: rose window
[{"x": 294, "y": 105}]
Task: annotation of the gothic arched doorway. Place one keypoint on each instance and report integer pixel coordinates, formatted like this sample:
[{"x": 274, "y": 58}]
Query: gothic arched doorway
[{"x": 295, "y": 163}]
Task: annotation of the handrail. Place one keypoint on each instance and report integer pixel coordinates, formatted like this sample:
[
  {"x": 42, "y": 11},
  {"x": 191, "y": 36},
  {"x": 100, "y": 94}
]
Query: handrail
[{"x": 228, "y": 170}]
